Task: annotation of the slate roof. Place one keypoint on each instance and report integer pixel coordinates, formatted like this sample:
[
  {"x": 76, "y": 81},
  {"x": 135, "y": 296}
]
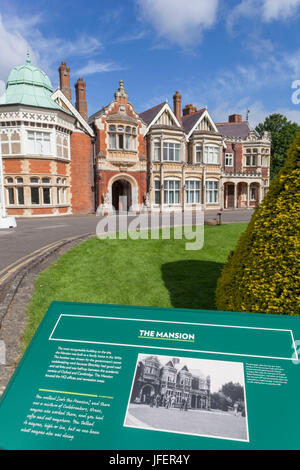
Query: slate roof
[
  {"x": 188, "y": 122},
  {"x": 233, "y": 129},
  {"x": 148, "y": 115}
]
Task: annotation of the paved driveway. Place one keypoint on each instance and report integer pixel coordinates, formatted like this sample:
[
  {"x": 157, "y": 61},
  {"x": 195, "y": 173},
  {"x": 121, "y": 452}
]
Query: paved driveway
[
  {"x": 32, "y": 234},
  {"x": 198, "y": 422}
]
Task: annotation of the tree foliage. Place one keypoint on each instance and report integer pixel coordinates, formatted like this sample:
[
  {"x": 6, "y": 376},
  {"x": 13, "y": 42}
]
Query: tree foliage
[
  {"x": 262, "y": 274},
  {"x": 283, "y": 132}
]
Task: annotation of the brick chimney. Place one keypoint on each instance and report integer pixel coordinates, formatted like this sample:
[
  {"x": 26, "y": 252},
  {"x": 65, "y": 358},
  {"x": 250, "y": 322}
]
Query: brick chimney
[
  {"x": 189, "y": 109},
  {"x": 237, "y": 118},
  {"x": 64, "y": 80},
  {"x": 81, "y": 103},
  {"x": 177, "y": 105}
]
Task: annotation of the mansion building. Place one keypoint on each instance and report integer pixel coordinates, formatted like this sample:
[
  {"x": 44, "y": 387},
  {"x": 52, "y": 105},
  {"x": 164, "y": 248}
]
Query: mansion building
[
  {"x": 57, "y": 161},
  {"x": 170, "y": 380}
]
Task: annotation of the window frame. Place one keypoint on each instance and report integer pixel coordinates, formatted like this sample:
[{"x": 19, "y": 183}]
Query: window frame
[
  {"x": 212, "y": 191},
  {"x": 228, "y": 156},
  {"x": 172, "y": 193},
  {"x": 215, "y": 154},
  {"x": 192, "y": 191}
]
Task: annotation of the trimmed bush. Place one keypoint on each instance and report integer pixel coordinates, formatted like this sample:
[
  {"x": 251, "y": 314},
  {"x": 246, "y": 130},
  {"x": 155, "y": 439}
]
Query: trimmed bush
[{"x": 262, "y": 274}]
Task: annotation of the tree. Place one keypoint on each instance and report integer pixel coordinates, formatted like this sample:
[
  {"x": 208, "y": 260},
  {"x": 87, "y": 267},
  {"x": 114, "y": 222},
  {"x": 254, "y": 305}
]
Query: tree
[
  {"x": 262, "y": 274},
  {"x": 233, "y": 391},
  {"x": 283, "y": 132}
]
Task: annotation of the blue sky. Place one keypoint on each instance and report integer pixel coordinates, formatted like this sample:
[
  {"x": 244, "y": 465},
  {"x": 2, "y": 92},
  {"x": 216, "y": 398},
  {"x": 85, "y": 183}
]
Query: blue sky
[{"x": 230, "y": 55}]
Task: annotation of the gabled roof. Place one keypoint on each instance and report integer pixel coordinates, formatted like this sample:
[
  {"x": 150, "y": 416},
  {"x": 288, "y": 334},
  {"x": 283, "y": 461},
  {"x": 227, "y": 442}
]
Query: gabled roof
[
  {"x": 149, "y": 115},
  {"x": 58, "y": 94},
  {"x": 234, "y": 129},
  {"x": 191, "y": 121}
]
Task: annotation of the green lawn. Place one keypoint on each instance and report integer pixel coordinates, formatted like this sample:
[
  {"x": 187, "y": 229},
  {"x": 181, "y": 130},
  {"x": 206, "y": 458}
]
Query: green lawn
[{"x": 158, "y": 273}]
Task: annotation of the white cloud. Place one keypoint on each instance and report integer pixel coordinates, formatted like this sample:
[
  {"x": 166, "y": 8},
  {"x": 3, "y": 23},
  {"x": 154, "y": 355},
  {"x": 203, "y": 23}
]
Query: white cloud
[
  {"x": 279, "y": 9},
  {"x": 266, "y": 10},
  {"x": 97, "y": 67},
  {"x": 19, "y": 34},
  {"x": 179, "y": 21}
]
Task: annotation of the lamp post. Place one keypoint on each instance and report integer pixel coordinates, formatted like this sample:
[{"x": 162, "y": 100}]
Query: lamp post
[{"x": 5, "y": 221}]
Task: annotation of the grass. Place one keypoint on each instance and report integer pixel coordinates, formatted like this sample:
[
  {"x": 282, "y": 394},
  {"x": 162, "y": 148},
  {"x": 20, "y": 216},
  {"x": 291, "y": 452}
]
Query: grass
[{"x": 158, "y": 273}]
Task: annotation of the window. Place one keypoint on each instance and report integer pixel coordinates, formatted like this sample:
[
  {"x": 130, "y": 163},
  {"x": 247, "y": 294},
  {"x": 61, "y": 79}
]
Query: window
[
  {"x": 192, "y": 191},
  {"x": 171, "y": 192},
  {"x": 10, "y": 196},
  {"x": 212, "y": 192},
  {"x": 39, "y": 143},
  {"x": 171, "y": 152},
  {"x": 35, "y": 195},
  {"x": 20, "y": 191},
  {"x": 211, "y": 154},
  {"x": 62, "y": 146},
  {"x": 253, "y": 193},
  {"x": 157, "y": 191},
  {"x": 228, "y": 159},
  {"x": 10, "y": 143},
  {"x": 61, "y": 191},
  {"x": 122, "y": 138},
  {"x": 20, "y": 195},
  {"x": 157, "y": 151},
  {"x": 251, "y": 157},
  {"x": 46, "y": 196},
  {"x": 198, "y": 154}
]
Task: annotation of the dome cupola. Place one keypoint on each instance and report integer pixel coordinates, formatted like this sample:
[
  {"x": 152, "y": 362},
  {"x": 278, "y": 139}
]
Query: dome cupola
[{"x": 29, "y": 85}]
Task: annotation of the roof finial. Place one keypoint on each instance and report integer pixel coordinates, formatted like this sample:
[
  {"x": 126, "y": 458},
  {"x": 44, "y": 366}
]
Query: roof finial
[{"x": 28, "y": 58}]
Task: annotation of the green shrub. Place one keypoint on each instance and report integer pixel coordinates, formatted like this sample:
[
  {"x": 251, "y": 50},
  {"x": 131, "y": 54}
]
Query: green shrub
[{"x": 262, "y": 274}]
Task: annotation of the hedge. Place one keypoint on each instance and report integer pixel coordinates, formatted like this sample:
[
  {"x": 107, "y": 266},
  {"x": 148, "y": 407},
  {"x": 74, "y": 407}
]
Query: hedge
[{"x": 262, "y": 274}]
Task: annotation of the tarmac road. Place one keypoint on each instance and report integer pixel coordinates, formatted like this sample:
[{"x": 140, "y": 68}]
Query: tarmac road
[{"x": 34, "y": 234}]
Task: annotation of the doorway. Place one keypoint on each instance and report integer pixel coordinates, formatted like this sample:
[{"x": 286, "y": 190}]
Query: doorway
[{"x": 121, "y": 195}]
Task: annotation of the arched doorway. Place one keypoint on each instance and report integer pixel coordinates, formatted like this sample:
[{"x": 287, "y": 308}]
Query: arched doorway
[
  {"x": 121, "y": 195},
  {"x": 146, "y": 392}
]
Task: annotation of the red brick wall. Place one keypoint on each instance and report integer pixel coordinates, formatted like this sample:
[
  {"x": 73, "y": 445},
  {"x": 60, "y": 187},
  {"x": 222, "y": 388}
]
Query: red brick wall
[
  {"x": 62, "y": 168},
  {"x": 12, "y": 166},
  {"x": 82, "y": 182},
  {"x": 15, "y": 211},
  {"x": 41, "y": 211},
  {"x": 40, "y": 166}
]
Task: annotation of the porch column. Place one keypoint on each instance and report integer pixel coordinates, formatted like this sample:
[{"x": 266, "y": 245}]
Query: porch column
[
  {"x": 235, "y": 195},
  {"x": 248, "y": 195},
  {"x": 221, "y": 195}
]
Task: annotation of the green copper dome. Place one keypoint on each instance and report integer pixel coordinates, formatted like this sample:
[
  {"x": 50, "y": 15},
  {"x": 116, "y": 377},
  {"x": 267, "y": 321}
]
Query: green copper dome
[{"x": 30, "y": 86}]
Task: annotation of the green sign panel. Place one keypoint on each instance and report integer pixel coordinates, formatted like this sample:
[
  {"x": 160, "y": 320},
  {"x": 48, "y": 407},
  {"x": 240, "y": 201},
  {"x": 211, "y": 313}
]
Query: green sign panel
[{"x": 129, "y": 378}]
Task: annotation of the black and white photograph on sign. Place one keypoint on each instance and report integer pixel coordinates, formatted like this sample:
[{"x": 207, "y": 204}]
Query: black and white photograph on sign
[{"x": 183, "y": 395}]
